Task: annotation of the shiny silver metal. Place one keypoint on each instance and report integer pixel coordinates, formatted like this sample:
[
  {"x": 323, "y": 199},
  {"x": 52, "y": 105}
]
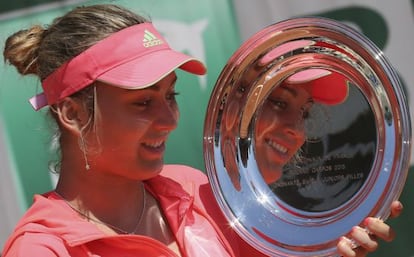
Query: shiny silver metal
[{"x": 354, "y": 162}]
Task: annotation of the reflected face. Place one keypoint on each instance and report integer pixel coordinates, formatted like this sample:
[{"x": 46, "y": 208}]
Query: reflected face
[
  {"x": 280, "y": 129},
  {"x": 133, "y": 128}
]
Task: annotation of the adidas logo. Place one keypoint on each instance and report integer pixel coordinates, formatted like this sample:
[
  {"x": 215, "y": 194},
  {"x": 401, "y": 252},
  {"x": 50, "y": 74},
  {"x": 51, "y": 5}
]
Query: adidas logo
[{"x": 150, "y": 39}]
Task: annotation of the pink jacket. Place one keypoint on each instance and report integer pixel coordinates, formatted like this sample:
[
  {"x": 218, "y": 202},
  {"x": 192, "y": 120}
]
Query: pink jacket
[{"x": 51, "y": 228}]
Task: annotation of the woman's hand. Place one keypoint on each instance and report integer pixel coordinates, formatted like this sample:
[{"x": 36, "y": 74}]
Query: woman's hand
[{"x": 368, "y": 242}]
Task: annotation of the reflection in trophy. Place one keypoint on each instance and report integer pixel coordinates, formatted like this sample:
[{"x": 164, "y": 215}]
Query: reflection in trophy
[
  {"x": 280, "y": 129},
  {"x": 313, "y": 146}
]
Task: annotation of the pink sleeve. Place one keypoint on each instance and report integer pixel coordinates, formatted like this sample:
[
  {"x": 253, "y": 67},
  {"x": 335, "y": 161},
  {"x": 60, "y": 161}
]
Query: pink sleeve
[{"x": 33, "y": 244}]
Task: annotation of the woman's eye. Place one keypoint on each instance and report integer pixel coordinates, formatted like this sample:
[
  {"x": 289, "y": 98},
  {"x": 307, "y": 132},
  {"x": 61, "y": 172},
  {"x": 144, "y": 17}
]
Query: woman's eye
[
  {"x": 279, "y": 104},
  {"x": 306, "y": 111},
  {"x": 240, "y": 91},
  {"x": 305, "y": 114},
  {"x": 142, "y": 103},
  {"x": 172, "y": 95}
]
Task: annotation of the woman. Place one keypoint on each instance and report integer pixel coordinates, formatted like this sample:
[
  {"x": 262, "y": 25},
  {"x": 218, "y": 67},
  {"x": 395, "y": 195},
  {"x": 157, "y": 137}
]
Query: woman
[
  {"x": 280, "y": 129},
  {"x": 108, "y": 78}
]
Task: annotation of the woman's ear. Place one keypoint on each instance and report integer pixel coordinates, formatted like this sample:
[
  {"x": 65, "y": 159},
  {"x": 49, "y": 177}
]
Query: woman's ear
[{"x": 72, "y": 114}]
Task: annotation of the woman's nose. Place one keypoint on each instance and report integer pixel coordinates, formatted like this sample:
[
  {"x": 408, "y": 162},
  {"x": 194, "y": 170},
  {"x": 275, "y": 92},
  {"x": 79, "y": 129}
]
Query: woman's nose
[
  {"x": 294, "y": 126},
  {"x": 167, "y": 117}
]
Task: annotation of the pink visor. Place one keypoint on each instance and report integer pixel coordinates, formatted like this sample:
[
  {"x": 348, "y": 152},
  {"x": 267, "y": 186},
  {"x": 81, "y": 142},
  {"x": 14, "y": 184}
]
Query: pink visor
[
  {"x": 133, "y": 58},
  {"x": 326, "y": 87}
]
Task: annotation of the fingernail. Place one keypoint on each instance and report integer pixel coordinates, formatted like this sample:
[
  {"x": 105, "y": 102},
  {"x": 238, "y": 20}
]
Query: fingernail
[
  {"x": 367, "y": 221},
  {"x": 399, "y": 206}
]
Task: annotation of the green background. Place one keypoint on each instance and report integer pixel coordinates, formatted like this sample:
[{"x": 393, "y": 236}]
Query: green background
[{"x": 28, "y": 134}]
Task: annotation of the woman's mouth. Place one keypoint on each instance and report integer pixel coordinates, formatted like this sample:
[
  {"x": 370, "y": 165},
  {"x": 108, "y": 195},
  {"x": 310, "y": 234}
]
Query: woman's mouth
[
  {"x": 155, "y": 148},
  {"x": 276, "y": 146},
  {"x": 154, "y": 144}
]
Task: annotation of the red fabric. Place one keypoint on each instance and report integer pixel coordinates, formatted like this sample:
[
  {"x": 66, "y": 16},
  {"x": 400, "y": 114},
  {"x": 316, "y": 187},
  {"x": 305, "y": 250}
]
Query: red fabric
[{"x": 51, "y": 228}]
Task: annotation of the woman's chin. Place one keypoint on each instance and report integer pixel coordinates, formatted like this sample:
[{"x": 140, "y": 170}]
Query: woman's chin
[{"x": 271, "y": 176}]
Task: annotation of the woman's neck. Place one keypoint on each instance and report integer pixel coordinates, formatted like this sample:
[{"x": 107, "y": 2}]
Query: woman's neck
[
  {"x": 116, "y": 205},
  {"x": 105, "y": 198}
]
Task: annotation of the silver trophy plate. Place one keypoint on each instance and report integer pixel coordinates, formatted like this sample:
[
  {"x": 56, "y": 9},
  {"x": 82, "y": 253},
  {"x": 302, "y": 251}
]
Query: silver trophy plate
[{"x": 307, "y": 133}]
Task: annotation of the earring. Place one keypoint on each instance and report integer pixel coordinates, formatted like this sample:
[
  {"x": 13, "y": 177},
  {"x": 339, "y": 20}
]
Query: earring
[{"x": 83, "y": 149}]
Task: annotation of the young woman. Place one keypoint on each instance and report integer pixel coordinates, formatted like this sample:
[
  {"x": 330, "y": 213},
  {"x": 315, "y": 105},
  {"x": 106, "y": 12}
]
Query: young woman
[
  {"x": 280, "y": 126},
  {"x": 108, "y": 79}
]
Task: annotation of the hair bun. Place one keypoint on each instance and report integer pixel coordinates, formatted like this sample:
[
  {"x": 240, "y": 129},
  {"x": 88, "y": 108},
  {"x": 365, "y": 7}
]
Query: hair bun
[{"x": 21, "y": 49}]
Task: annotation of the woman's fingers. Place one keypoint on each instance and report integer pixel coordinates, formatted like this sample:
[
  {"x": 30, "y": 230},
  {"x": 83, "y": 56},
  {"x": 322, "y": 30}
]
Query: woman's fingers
[
  {"x": 347, "y": 248},
  {"x": 396, "y": 209},
  {"x": 361, "y": 241},
  {"x": 359, "y": 246},
  {"x": 380, "y": 229}
]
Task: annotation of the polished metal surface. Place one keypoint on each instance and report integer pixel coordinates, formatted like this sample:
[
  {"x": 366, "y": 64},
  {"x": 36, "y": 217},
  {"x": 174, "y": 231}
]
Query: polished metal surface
[{"x": 296, "y": 191}]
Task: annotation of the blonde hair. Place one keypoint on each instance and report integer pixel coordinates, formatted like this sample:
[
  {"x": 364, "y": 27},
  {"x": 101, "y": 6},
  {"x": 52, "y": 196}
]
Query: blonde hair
[{"x": 41, "y": 50}]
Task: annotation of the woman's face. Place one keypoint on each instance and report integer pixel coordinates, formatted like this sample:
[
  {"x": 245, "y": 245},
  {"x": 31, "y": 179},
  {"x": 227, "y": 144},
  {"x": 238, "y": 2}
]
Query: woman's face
[
  {"x": 279, "y": 129},
  {"x": 133, "y": 127}
]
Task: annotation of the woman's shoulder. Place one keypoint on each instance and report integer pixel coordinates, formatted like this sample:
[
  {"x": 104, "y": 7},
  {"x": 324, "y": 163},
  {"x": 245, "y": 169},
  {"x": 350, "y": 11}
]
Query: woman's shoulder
[
  {"x": 184, "y": 174},
  {"x": 35, "y": 244},
  {"x": 47, "y": 228},
  {"x": 181, "y": 181}
]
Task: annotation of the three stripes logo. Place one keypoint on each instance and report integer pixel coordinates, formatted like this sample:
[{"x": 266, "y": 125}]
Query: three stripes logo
[{"x": 150, "y": 39}]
